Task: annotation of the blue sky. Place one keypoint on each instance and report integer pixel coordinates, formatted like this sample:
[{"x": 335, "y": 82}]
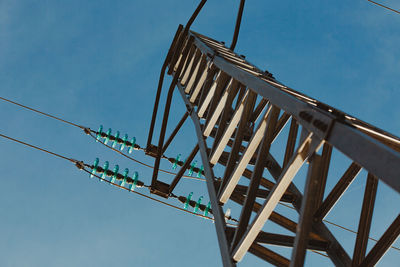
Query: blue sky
[{"x": 98, "y": 62}]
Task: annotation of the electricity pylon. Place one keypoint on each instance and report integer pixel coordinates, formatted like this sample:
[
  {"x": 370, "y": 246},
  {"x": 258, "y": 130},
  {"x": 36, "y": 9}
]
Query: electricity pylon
[{"x": 242, "y": 110}]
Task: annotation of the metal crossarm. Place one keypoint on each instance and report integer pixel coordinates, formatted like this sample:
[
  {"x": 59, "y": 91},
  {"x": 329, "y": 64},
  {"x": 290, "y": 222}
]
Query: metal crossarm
[{"x": 242, "y": 111}]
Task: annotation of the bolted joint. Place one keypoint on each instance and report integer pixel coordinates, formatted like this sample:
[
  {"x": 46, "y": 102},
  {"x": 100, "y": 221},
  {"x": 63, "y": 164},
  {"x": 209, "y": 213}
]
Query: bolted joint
[
  {"x": 160, "y": 189},
  {"x": 151, "y": 150}
]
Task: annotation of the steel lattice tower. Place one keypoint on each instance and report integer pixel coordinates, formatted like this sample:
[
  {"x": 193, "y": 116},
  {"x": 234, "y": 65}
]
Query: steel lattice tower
[{"x": 241, "y": 110}]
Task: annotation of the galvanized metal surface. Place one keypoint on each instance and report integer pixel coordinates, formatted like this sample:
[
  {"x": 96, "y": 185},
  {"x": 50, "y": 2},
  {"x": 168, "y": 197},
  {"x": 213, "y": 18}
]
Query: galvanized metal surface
[{"x": 209, "y": 78}]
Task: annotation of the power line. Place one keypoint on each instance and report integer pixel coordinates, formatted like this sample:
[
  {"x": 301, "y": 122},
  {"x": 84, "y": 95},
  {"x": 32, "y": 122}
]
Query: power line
[
  {"x": 117, "y": 185},
  {"x": 201, "y": 179},
  {"x": 43, "y": 113},
  {"x": 342, "y": 227},
  {"x": 157, "y": 200},
  {"x": 142, "y": 163},
  {"x": 82, "y": 166},
  {"x": 38, "y": 148},
  {"x": 391, "y": 9},
  {"x": 88, "y": 131}
]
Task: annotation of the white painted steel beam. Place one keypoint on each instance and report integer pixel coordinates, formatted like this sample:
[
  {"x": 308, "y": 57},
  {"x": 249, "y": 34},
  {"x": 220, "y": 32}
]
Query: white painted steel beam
[
  {"x": 218, "y": 109},
  {"x": 306, "y": 149},
  {"x": 188, "y": 69},
  {"x": 209, "y": 96},
  {"x": 194, "y": 74},
  {"x": 177, "y": 62},
  {"x": 229, "y": 131},
  {"x": 247, "y": 155},
  {"x": 200, "y": 83},
  {"x": 187, "y": 58},
  {"x": 371, "y": 154}
]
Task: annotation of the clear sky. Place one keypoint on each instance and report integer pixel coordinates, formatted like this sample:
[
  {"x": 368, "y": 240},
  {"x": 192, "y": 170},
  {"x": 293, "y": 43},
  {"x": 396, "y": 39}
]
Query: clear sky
[{"x": 98, "y": 62}]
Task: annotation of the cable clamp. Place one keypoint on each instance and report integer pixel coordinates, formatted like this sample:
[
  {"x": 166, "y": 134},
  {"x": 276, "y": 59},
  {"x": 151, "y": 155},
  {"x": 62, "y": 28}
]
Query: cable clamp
[
  {"x": 87, "y": 130},
  {"x": 79, "y": 164}
]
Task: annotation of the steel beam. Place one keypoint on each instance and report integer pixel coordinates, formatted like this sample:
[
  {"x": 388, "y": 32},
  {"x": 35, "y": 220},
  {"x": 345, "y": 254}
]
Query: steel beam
[
  {"x": 338, "y": 190},
  {"x": 174, "y": 82},
  {"x": 175, "y": 131},
  {"x": 305, "y": 150},
  {"x": 187, "y": 61},
  {"x": 210, "y": 94},
  {"x": 262, "y": 193},
  {"x": 245, "y": 159},
  {"x": 284, "y": 240},
  {"x": 200, "y": 83},
  {"x": 234, "y": 153},
  {"x": 307, "y": 210},
  {"x": 171, "y": 51},
  {"x": 191, "y": 67},
  {"x": 231, "y": 88},
  {"x": 257, "y": 111},
  {"x": 371, "y": 148},
  {"x": 228, "y": 131},
  {"x": 326, "y": 160},
  {"x": 213, "y": 71},
  {"x": 256, "y": 177},
  {"x": 360, "y": 147},
  {"x": 221, "y": 86},
  {"x": 283, "y": 119},
  {"x": 223, "y": 121},
  {"x": 291, "y": 142},
  {"x": 182, "y": 170},
  {"x": 275, "y": 217},
  {"x": 365, "y": 220},
  {"x": 384, "y": 243},
  {"x": 268, "y": 255},
  {"x": 218, "y": 214},
  {"x": 201, "y": 64}
]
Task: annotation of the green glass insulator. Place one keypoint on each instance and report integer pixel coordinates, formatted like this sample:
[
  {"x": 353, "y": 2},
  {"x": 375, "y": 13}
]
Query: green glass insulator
[
  {"x": 126, "y": 171},
  {"x": 95, "y": 165},
  {"x": 108, "y": 136},
  {"x": 124, "y": 142},
  {"x": 188, "y": 200},
  {"x": 98, "y": 136},
  {"x": 135, "y": 179},
  {"x": 116, "y": 139},
  {"x": 192, "y": 167},
  {"x": 176, "y": 161},
  {"x": 116, "y": 169},
  {"x": 196, "y": 208},
  {"x": 105, "y": 167},
  {"x": 207, "y": 209},
  {"x": 133, "y": 141},
  {"x": 200, "y": 171}
]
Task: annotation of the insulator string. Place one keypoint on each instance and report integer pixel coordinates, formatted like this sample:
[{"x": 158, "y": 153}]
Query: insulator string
[
  {"x": 90, "y": 132},
  {"x": 81, "y": 166},
  {"x": 142, "y": 163},
  {"x": 151, "y": 198}
]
